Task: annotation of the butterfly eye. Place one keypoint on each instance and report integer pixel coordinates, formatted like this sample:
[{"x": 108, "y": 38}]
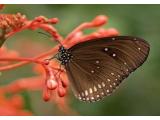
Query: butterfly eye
[{"x": 61, "y": 49}]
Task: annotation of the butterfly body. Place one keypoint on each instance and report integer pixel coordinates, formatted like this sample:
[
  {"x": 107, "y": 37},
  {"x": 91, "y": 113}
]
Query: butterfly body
[
  {"x": 96, "y": 68},
  {"x": 64, "y": 55}
]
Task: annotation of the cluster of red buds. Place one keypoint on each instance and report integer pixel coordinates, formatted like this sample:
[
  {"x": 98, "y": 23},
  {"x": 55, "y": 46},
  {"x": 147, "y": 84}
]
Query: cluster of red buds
[{"x": 52, "y": 78}]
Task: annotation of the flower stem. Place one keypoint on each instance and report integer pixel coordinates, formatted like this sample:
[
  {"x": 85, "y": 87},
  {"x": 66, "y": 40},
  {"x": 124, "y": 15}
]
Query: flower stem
[
  {"x": 22, "y": 59},
  {"x": 2, "y": 40},
  {"x": 43, "y": 55}
]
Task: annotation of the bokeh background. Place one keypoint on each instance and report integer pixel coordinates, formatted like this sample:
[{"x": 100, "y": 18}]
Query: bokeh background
[{"x": 139, "y": 94}]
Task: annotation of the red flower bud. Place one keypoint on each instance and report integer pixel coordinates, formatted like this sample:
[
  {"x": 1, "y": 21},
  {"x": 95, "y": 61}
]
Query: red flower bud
[
  {"x": 61, "y": 91},
  {"x": 64, "y": 83},
  {"x": 52, "y": 84},
  {"x": 99, "y": 20},
  {"x": 46, "y": 95}
]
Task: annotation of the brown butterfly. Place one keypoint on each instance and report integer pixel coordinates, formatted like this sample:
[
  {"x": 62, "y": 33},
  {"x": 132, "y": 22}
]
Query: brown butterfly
[{"x": 96, "y": 68}]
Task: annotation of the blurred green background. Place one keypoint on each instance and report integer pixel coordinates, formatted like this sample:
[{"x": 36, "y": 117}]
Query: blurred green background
[{"x": 139, "y": 94}]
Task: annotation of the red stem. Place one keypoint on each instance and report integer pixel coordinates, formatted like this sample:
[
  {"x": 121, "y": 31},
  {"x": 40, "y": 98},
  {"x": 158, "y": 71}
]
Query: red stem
[
  {"x": 22, "y": 59},
  {"x": 8, "y": 67},
  {"x": 29, "y": 60}
]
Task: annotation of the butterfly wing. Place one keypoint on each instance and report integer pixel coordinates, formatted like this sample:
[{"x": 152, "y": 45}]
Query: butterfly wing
[{"x": 98, "y": 66}]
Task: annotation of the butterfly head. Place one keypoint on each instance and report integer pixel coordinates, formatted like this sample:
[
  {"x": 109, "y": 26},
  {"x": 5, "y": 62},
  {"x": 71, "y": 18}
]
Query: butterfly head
[
  {"x": 62, "y": 49},
  {"x": 64, "y": 55}
]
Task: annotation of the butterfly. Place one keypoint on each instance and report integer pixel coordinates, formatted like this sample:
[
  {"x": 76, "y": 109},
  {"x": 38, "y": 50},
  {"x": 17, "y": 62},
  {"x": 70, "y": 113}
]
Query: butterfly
[{"x": 95, "y": 68}]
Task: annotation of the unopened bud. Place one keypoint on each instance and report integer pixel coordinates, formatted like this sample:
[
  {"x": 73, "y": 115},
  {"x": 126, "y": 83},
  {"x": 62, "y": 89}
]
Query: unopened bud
[
  {"x": 100, "y": 20},
  {"x": 52, "y": 84},
  {"x": 61, "y": 92},
  {"x": 64, "y": 83},
  {"x": 46, "y": 61},
  {"x": 46, "y": 95}
]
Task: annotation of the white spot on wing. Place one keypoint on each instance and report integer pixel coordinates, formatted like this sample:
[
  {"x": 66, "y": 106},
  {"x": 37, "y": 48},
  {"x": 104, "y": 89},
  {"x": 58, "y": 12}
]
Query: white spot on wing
[
  {"x": 95, "y": 89},
  {"x": 86, "y": 92},
  {"x": 90, "y": 90},
  {"x": 97, "y": 61},
  {"x": 92, "y": 71},
  {"x": 92, "y": 98},
  {"x": 105, "y": 49},
  {"x": 107, "y": 90},
  {"x": 114, "y": 83},
  {"x": 103, "y": 84},
  {"x": 99, "y": 86},
  {"x": 112, "y": 73},
  {"x": 114, "y": 54},
  {"x": 102, "y": 93},
  {"x": 108, "y": 80}
]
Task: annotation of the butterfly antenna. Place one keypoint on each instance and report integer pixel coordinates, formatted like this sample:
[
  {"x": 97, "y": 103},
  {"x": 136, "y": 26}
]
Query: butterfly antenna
[
  {"x": 45, "y": 34},
  {"x": 49, "y": 36}
]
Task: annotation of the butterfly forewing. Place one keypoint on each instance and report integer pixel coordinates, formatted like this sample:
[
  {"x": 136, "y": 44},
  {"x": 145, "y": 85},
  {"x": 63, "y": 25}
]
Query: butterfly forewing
[{"x": 98, "y": 66}]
